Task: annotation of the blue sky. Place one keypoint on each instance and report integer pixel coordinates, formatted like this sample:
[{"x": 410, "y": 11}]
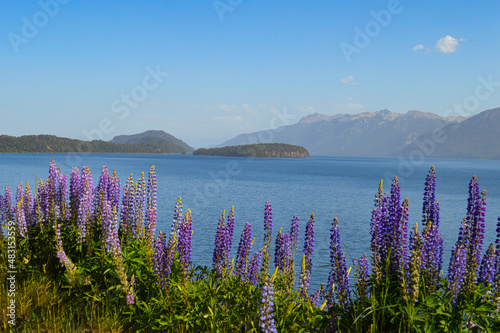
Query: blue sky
[{"x": 206, "y": 71}]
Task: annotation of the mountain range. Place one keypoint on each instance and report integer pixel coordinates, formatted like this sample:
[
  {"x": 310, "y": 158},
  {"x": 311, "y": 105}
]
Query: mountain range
[{"x": 385, "y": 133}]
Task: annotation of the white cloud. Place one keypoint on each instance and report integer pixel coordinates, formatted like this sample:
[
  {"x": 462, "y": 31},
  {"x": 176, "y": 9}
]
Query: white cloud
[
  {"x": 349, "y": 80},
  {"x": 448, "y": 44},
  {"x": 418, "y": 47}
]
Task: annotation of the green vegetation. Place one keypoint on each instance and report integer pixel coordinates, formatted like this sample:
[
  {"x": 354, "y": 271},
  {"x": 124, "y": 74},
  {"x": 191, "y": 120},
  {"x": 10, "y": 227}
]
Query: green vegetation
[
  {"x": 83, "y": 262},
  {"x": 256, "y": 150},
  {"x": 54, "y": 144}
]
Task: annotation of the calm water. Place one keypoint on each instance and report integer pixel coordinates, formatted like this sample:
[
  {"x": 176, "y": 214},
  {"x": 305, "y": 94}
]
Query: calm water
[{"x": 328, "y": 186}]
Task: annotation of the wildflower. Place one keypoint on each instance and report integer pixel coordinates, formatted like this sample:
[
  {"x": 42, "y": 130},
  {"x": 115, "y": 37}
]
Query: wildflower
[
  {"x": 266, "y": 311},
  {"x": 268, "y": 234},
  {"x": 488, "y": 267},
  {"x": 308, "y": 252},
  {"x": 159, "y": 259},
  {"x": 415, "y": 262},
  {"x": 432, "y": 252},
  {"x": 185, "y": 236},
  {"x": 221, "y": 236},
  {"x": 339, "y": 273},
  {"x": 243, "y": 252},
  {"x": 150, "y": 227},
  {"x": 253, "y": 267}
]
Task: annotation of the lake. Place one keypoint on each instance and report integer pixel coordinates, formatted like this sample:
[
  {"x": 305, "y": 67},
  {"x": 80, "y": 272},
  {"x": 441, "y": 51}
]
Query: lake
[{"x": 328, "y": 186}]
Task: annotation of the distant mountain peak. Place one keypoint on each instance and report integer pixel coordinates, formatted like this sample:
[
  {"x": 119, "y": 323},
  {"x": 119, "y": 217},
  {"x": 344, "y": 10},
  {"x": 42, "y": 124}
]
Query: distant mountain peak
[
  {"x": 379, "y": 133},
  {"x": 158, "y": 136}
]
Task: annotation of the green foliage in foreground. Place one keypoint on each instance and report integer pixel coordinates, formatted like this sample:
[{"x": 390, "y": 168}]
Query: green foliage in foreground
[{"x": 50, "y": 299}]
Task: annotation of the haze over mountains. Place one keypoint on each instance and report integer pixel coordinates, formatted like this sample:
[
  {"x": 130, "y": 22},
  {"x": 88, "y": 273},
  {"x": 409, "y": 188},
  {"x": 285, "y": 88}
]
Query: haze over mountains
[{"x": 385, "y": 133}]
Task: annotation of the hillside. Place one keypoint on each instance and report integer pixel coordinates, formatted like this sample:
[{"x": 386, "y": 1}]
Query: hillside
[
  {"x": 256, "y": 150},
  {"x": 476, "y": 137},
  {"x": 54, "y": 144},
  {"x": 159, "y": 137},
  {"x": 379, "y": 133}
]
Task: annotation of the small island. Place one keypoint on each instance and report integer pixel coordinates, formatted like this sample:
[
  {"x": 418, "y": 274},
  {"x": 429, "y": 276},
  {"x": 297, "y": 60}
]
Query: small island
[{"x": 256, "y": 150}]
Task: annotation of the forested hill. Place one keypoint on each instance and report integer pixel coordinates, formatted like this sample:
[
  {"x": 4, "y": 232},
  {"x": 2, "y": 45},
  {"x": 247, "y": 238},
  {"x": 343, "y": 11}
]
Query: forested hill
[
  {"x": 256, "y": 150},
  {"x": 54, "y": 144}
]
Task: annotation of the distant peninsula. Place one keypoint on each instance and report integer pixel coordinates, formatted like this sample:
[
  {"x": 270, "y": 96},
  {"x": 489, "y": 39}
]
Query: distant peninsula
[
  {"x": 256, "y": 150},
  {"x": 150, "y": 142}
]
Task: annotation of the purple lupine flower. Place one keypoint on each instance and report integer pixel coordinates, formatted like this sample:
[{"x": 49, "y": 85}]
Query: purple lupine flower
[
  {"x": 102, "y": 190},
  {"x": 282, "y": 257},
  {"x": 19, "y": 192},
  {"x": 243, "y": 252},
  {"x": 20, "y": 218},
  {"x": 2, "y": 221},
  {"x": 177, "y": 216},
  {"x": 229, "y": 239},
  {"x": 432, "y": 253},
  {"x": 74, "y": 193},
  {"x": 139, "y": 208},
  {"x": 268, "y": 234},
  {"x": 127, "y": 211},
  {"x": 476, "y": 211},
  {"x": 114, "y": 190},
  {"x": 268, "y": 220},
  {"x": 266, "y": 311},
  {"x": 101, "y": 193},
  {"x": 456, "y": 271},
  {"x": 85, "y": 212},
  {"x": 397, "y": 229},
  {"x": 294, "y": 235},
  {"x": 107, "y": 225},
  {"x": 488, "y": 267},
  {"x": 362, "y": 276},
  {"x": 36, "y": 209},
  {"x": 497, "y": 240},
  {"x": 61, "y": 254},
  {"x": 308, "y": 252},
  {"x": 169, "y": 254},
  {"x": 253, "y": 267},
  {"x": 62, "y": 194},
  {"x": 278, "y": 248},
  {"x": 43, "y": 200},
  {"x": 52, "y": 187},
  {"x": 338, "y": 274},
  {"x": 315, "y": 295},
  {"x": 28, "y": 204},
  {"x": 8, "y": 209},
  {"x": 376, "y": 232},
  {"x": 415, "y": 261},
  {"x": 150, "y": 227},
  {"x": 185, "y": 238},
  {"x": 159, "y": 259},
  {"x": 130, "y": 299},
  {"x": 389, "y": 228},
  {"x": 221, "y": 236}
]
